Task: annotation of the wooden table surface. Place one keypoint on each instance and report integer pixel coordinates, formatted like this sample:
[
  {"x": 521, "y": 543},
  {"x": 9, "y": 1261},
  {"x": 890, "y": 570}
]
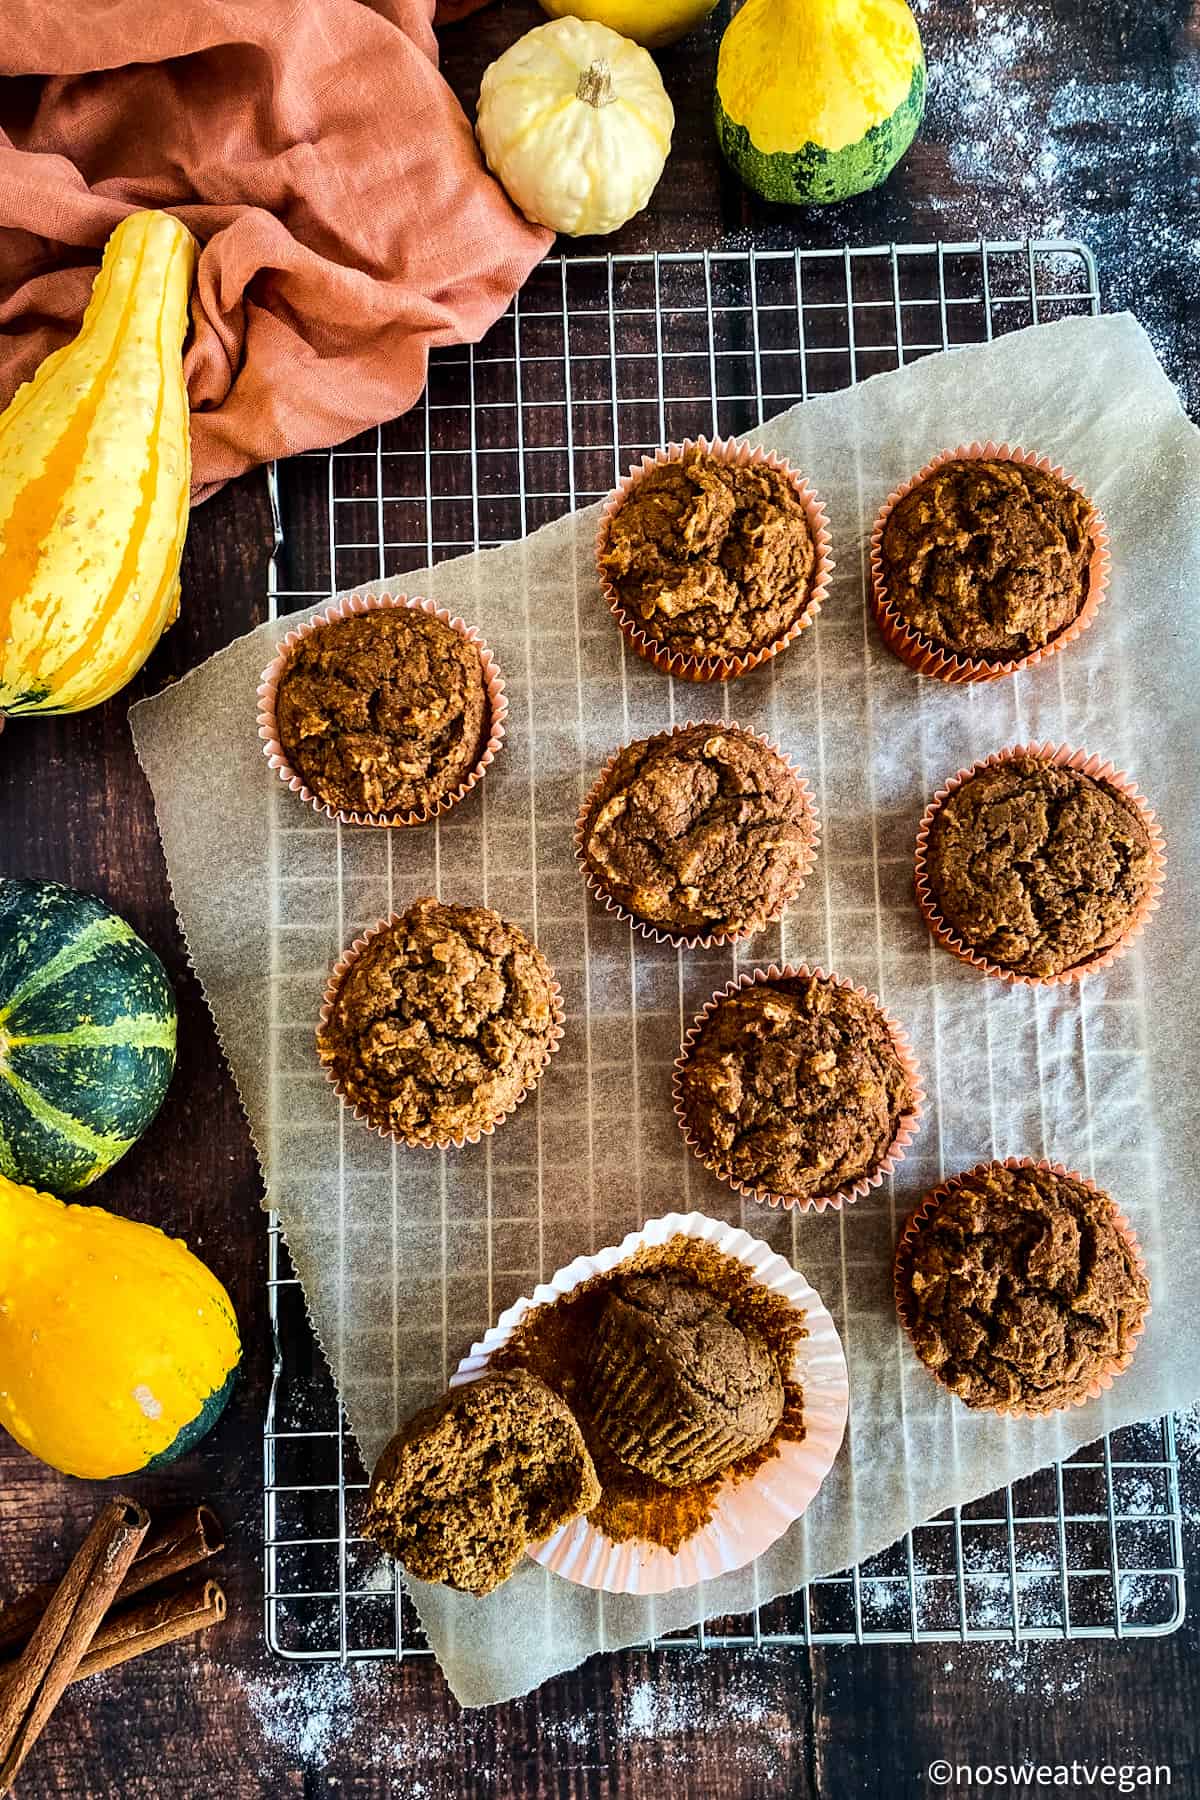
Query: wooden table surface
[{"x": 1045, "y": 117}]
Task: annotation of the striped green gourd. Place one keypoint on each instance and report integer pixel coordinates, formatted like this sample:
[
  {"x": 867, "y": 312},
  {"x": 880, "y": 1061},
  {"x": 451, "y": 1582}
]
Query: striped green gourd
[{"x": 87, "y": 1035}]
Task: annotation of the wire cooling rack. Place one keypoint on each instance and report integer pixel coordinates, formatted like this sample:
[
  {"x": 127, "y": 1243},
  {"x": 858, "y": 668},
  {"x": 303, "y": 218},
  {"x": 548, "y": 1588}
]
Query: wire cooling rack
[{"x": 599, "y": 360}]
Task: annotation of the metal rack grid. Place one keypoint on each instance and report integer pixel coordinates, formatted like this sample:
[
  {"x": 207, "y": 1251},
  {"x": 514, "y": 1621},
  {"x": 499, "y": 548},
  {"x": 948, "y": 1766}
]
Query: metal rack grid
[{"x": 598, "y": 360}]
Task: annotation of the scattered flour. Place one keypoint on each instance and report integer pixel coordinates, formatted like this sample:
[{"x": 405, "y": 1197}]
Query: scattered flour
[
  {"x": 306, "y": 1715},
  {"x": 1043, "y": 157}
]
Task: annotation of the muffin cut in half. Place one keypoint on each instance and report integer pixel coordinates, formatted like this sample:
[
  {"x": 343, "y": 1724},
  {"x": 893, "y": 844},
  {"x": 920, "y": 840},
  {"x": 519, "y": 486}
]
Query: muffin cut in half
[{"x": 470, "y": 1481}]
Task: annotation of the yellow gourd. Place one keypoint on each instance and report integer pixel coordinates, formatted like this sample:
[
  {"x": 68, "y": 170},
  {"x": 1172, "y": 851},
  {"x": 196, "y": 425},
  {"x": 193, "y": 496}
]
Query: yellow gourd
[
  {"x": 94, "y": 477},
  {"x": 651, "y": 23},
  {"x": 117, "y": 1346},
  {"x": 817, "y": 100},
  {"x": 575, "y": 122}
]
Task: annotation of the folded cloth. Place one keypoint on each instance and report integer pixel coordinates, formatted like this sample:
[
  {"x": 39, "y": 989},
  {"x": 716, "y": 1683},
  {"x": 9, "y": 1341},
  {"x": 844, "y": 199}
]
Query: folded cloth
[{"x": 346, "y": 221}]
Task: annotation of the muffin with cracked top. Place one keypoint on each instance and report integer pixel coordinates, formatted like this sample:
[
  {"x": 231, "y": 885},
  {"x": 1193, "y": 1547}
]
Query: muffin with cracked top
[
  {"x": 440, "y": 1023},
  {"x": 1035, "y": 866},
  {"x": 794, "y": 1087},
  {"x": 1020, "y": 1287},
  {"x": 703, "y": 831},
  {"x": 988, "y": 559}
]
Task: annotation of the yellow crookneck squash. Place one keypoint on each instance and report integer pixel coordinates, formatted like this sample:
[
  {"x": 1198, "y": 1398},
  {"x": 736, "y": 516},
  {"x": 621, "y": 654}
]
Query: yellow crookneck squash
[
  {"x": 94, "y": 477},
  {"x": 818, "y": 100},
  {"x": 118, "y": 1347}
]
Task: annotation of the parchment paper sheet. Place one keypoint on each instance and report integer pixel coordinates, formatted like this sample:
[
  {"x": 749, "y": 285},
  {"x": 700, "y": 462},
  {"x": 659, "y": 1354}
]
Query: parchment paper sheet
[{"x": 406, "y": 1257}]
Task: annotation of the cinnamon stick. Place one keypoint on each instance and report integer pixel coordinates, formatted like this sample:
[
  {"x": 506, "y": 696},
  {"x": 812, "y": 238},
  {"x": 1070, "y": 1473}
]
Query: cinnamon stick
[
  {"x": 153, "y": 1622},
  {"x": 169, "y": 1548},
  {"x": 65, "y": 1632}
]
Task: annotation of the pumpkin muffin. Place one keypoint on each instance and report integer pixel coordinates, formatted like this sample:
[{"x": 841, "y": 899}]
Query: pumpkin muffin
[
  {"x": 794, "y": 1086},
  {"x": 385, "y": 712},
  {"x": 988, "y": 559},
  {"x": 677, "y": 1389},
  {"x": 1036, "y": 866},
  {"x": 437, "y": 1027},
  {"x": 711, "y": 557},
  {"x": 705, "y": 830},
  {"x": 1019, "y": 1288},
  {"x": 472, "y": 1480}
]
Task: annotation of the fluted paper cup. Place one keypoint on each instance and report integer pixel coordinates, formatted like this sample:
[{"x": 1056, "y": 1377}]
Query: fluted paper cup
[
  {"x": 1064, "y": 757},
  {"x": 717, "y": 667},
  {"x": 656, "y": 933},
  {"x": 346, "y": 961},
  {"x": 923, "y": 653},
  {"x": 921, "y": 1214},
  {"x": 749, "y": 1515},
  {"x": 351, "y": 607},
  {"x": 906, "y": 1128}
]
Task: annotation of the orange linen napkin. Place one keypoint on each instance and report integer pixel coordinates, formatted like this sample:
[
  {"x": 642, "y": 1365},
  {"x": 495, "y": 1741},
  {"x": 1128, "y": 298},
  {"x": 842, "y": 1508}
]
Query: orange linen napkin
[{"x": 346, "y": 221}]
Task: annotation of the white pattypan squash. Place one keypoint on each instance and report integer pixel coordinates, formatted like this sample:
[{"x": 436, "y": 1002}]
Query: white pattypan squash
[{"x": 576, "y": 123}]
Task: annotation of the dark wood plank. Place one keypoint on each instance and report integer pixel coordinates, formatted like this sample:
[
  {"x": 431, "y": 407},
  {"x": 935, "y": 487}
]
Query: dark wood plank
[{"x": 1088, "y": 131}]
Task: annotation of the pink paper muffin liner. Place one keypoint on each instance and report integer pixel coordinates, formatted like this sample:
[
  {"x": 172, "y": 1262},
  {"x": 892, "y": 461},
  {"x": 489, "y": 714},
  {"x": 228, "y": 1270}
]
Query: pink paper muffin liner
[
  {"x": 1065, "y": 757},
  {"x": 718, "y": 668},
  {"x": 921, "y": 1214},
  {"x": 350, "y": 607},
  {"x": 656, "y": 933},
  {"x": 345, "y": 961},
  {"x": 749, "y": 1515},
  {"x": 928, "y": 657},
  {"x": 905, "y": 1130}
]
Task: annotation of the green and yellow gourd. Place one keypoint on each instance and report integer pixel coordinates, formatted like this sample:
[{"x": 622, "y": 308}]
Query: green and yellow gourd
[
  {"x": 87, "y": 1035},
  {"x": 118, "y": 1347},
  {"x": 94, "y": 479},
  {"x": 818, "y": 100}
]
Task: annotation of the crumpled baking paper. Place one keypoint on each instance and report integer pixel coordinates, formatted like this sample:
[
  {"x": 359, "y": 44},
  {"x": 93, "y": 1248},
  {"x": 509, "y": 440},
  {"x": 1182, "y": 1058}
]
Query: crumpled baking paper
[{"x": 407, "y": 1256}]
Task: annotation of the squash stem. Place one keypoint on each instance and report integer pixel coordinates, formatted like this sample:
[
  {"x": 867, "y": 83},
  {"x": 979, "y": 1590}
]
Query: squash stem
[{"x": 595, "y": 84}]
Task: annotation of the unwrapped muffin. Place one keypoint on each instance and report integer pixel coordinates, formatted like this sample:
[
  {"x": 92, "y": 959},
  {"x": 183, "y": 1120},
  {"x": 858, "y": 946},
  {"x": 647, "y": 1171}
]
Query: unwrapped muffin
[
  {"x": 470, "y": 1481},
  {"x": 437, "y": 1024},
  {"x": 677, "y": 1388},
  {"x": 704, "y": 830},
  {"x": 1021, "y": 1287}
]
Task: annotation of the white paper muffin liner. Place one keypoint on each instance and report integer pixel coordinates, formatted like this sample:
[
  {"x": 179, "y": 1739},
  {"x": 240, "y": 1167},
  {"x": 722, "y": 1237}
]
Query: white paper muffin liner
[{"x": 748, "y": 1516}]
